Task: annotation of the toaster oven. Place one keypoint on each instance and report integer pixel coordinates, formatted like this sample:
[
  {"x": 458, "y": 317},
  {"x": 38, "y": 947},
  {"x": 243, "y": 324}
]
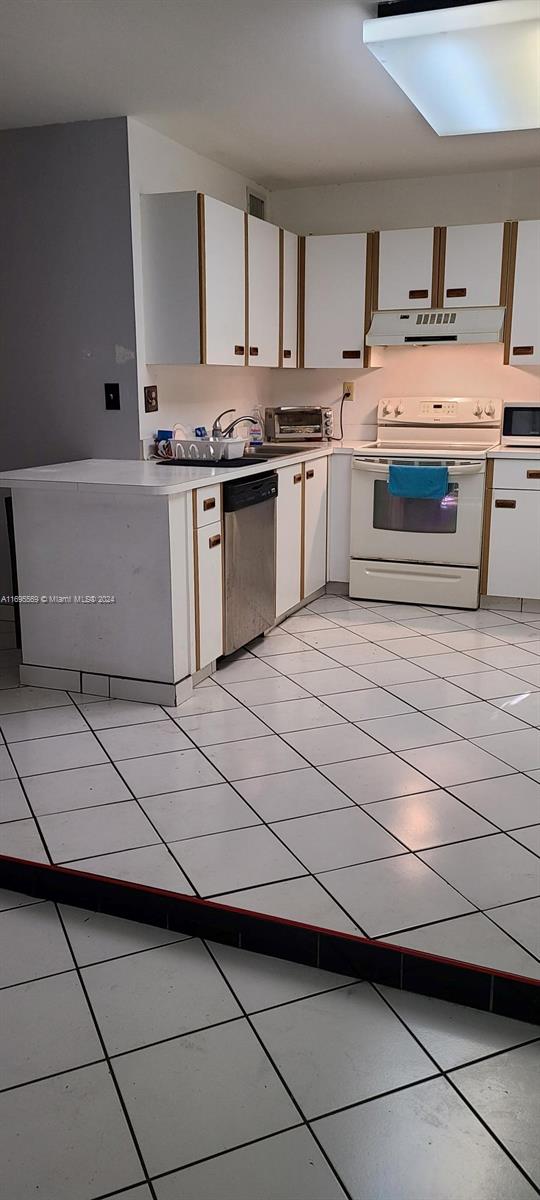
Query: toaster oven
[{"x": 298, "y": 424}]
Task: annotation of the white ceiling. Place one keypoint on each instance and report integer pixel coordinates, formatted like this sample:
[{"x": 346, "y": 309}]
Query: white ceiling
[{"x": 282, "y": 90}]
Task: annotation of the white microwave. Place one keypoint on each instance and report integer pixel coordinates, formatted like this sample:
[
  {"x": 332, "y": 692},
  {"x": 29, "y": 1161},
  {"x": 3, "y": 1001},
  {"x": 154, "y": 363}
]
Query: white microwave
[{"x": 521, "y": 425}]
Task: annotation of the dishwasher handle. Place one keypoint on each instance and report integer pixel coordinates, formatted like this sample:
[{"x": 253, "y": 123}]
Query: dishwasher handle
[{"x": 243, "y": 493}]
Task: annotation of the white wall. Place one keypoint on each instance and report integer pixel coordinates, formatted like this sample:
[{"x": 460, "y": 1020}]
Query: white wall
[
  {"x": 191, "y": 395},
  {"x": 410, "y": 203},
  {"x": 406, "y": 371}
]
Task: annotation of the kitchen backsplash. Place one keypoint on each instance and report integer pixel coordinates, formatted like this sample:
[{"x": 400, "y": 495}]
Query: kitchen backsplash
[{"x": 195, "y": 395}]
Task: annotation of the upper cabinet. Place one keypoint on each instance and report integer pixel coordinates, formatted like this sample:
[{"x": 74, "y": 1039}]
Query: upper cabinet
[
  {"x": 525, "y": 328},
  {"x": 289, "y": 298},
  {"x": 405, "y": 268},
  {"x": 473, "y": 264},
  {"x": 211, "y": 282},
  {"x": 263, "y": 293},
  {"x": 223, "y": 282},
  {"x": 335, "y": 284}
]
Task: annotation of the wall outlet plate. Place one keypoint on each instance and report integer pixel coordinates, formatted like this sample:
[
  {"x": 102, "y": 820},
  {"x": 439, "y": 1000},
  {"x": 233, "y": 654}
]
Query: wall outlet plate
[
  {"x": 151, "y": 398},
  {"x": 347, "y": 387}
]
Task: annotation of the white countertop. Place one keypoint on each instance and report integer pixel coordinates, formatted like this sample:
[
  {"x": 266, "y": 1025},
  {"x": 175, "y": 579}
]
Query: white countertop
[
  {"x": 514, "y": 452},
  {"x": 125, "y": 475}
]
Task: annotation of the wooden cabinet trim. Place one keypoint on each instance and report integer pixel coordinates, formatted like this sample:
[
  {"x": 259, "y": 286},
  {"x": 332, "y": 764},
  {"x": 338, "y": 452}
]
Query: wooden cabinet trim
[
  {"x": 371, "y": 294},
  {"x": 508, "y": 275},
  {"x": 438, "y": 266},
  {"x": 246, "y": 291},
  {"x": 303, "y": 535},
  {"x": 533, "y": 474},
  {"x": 519, "y": 350},
  {"x": 201, "y": 236},
  {"x": 210, "y": 502},
  {"x": 486, "y": 527},
  {"x": 281, "y": 299},
  {"x": 505, "y": 503},
  {"x": 196, "y": 589},
  {"x": 301, "y": 301}
]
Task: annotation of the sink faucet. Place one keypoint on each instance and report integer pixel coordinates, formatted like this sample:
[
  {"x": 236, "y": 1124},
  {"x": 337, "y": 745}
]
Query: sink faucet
[{"x": 217, "y": 430}]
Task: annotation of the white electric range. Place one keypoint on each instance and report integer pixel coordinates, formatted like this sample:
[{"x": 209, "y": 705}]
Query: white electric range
[{"x": 416, "y": 550}]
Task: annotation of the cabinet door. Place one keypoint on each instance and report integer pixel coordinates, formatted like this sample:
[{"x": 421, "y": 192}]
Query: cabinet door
[
  {"x": 289, "y": 310},
  {"x": 473, "y": 265},
  {"x": 224, "y": 328},
  {"x": 334, "y": 299},
  {"x": 405, "y": 268},
  {"x": 209, "y": 594},
  {"x": 514, "y": 545},
  {"x": 525, "y": 336},
  {"x": 263, "y": 293},
  {"x": 288, "y": 538},
  {"x": 315, "y": 480}
]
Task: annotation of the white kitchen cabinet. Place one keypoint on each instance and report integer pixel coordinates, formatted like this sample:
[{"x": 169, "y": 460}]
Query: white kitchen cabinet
[
  {"x": 473, "y": 263},
  {"x": 288, "y": 538},
  {"x": 335, "y": 277},
  {"x": 525, "y": 333},
  {"x": 315, "y": 496},
  {"x": 289, "y": 307},
  {"x": 224, "y": 283},
  {"x": 208, "y": 594},
  {"x": 405, "y": 268},
  {"x": 263, "y": 293},
  {"x": 514, "y": 546}
]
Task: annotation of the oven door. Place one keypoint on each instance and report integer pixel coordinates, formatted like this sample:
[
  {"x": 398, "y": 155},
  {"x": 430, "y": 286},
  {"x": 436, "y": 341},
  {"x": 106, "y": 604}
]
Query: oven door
[{"x": 399, "y": 529}]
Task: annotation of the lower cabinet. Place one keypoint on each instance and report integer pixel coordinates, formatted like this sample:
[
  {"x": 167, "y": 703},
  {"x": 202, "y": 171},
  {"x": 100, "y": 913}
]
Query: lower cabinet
[
  {"x": 300, "y": 532},
  {"x": 315, "y": 487},
  {"x": 208, "y": 594},
  {"x": 514, "y": 544},
  {"x": 289, "y": 538}
]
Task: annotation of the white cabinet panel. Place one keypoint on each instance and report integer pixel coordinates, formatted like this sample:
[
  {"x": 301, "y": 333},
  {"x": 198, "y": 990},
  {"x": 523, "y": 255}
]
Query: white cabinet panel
[
  {"x": 288, "y": 538},
  {"x": 334, "y": 299},
  {"x": 210, "y": 593},
  {"x": 514, "y": 547},
  {"x": 290, "y": 299},
  {"x": 263, "y": 293},
  {"x": 473, "y": 265},
  {"x": 224, "y": 283},
  {"x": 315, "y": 490},
  {"x": 525, "y": 335},
  {"x": 208, "y": 505},
  {"x": 405, "y": 268}
]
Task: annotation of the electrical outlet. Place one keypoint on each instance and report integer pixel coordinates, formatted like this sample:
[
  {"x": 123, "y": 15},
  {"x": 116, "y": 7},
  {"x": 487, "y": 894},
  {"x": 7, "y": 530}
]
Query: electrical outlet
[
  {"x": 348, "y": 387},
  {"x": 151, "y": 398}
]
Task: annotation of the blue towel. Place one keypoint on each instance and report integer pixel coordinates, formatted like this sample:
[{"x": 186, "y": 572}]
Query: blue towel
[{"x": 419, "y": 482}]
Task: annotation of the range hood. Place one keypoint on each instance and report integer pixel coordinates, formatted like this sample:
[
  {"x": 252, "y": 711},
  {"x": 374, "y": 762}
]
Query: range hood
[{"x": 436, "y": 326}]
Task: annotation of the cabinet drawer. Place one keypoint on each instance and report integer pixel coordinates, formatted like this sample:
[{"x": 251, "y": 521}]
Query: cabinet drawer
[
  {"x": 514, "y": 548},
  {"x": 208, "y": 506},
  {"x": 520, "y": 473}
]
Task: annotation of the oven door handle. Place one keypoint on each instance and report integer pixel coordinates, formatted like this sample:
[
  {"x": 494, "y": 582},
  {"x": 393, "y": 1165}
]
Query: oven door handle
[{"x": 381, "y": 469}]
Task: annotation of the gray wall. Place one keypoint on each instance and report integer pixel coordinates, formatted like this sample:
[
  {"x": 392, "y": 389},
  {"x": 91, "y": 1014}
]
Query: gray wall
[{"x": 67, "y": 322}]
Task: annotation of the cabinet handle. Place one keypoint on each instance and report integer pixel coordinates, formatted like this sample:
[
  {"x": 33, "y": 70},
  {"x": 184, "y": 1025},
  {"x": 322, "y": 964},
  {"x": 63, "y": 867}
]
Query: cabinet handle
[
  {"x": 287, "y": 353},
  {"x": 456, "y": 292},
  {"x": 522, "y": 350},
  {"x": 418, "y": 294},
  {"x": 239, "y": 349},
  {"x": 207, "y": 504},
  {"x": 505, "y": 503},
  {"x": 533, "y": 474},
  {"x": 351, "y": 353},
  {"x": 297, "y": 479},
  {"x": 253, "y": 351},
  {"x": 214, "y": 541},
  {"x": 310, "y": 474}
]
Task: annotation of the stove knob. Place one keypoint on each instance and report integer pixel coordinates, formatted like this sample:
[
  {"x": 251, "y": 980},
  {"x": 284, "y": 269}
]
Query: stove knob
[
  {"x": 490, "y": 410},
  {"x": 478, "y": 411},
  {"x": 398, "y": 410},
  {"x": 387, "y": 410}
]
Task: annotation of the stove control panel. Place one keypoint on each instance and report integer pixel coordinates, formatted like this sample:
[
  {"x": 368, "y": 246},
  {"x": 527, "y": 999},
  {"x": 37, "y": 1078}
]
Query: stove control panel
[{"x": 439, "y": 410}]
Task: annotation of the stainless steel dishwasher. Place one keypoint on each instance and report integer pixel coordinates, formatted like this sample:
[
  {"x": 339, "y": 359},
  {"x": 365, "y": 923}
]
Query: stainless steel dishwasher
[{"x": 249, "y": 507}]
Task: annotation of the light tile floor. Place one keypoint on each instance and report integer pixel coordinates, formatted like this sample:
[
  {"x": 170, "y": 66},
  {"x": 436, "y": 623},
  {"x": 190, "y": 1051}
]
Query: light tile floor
[
  {"x": 139, "y": 1064},
  {"x": 368, "y": 767}
]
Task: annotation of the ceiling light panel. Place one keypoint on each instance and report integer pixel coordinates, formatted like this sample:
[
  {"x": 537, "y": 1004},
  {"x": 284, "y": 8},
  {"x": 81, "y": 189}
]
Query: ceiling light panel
[{"x": 470, "y": 69}]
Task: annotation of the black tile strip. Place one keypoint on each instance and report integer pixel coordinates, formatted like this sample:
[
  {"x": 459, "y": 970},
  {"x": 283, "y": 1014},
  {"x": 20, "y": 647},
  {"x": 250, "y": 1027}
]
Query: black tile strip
[{"x": 345, "y": 954}]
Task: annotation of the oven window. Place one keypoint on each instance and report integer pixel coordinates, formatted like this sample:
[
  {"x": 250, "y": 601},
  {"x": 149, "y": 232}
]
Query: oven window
[{"x": 403, "y": 515}]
